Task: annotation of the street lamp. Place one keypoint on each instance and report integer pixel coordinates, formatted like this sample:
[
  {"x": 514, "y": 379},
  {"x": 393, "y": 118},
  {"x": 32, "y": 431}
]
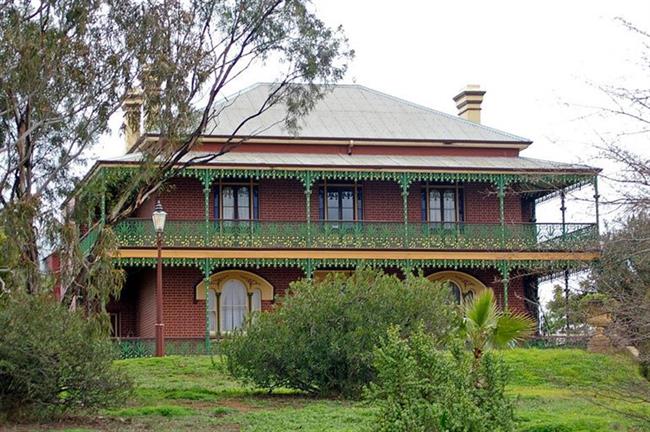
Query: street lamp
[{"x": 158, "y": 217}]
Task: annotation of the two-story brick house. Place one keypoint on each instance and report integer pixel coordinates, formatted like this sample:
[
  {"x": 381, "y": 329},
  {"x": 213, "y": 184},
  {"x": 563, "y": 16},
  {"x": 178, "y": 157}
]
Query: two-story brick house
[{"x": 369, "y": 179}]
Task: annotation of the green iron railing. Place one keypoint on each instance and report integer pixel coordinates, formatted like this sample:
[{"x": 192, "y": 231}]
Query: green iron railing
[
  {"x": 136, "y": 233},
  {"x": 88, "y": 240},
  {"x": 133, "y": 347}
]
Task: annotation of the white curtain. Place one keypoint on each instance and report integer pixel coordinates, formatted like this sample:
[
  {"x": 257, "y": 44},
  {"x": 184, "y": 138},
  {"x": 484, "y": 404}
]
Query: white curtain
[
  {"x": 233, "y": 305},
  {"x": 212, "y": 311},
  {"x": 256, "y": 300}
]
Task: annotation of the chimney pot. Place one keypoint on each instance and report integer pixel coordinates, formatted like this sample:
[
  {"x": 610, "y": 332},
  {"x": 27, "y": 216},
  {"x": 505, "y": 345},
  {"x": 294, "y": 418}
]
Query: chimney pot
[
  {"x": 468, "y": 101},
  {"x": 132, "y": 107}
]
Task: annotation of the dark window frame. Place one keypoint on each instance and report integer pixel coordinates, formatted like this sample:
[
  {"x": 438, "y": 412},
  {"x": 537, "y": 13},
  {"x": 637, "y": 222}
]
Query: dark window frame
[
  {"x": 253, "y": 199},
  {"x": 357, "y": 190},
  {"x": 459, "y": 202}
]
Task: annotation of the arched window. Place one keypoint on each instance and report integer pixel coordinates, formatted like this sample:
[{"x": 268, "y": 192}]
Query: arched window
[
  {"x": 463, "y": 286},
  {"x": 233, "y": 305},
  {"x": 212, "y": 311},
  {"x": 456, "y": 291},
  {"x": 256, "y": 300},
  {"x": 230, "y": 296}
]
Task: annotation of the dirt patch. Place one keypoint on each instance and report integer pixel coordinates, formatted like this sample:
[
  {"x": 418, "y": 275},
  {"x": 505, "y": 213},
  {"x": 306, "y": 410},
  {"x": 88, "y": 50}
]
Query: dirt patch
[
  {"x": 236, "y": 404},
  {"x": 91, "y": 423}
]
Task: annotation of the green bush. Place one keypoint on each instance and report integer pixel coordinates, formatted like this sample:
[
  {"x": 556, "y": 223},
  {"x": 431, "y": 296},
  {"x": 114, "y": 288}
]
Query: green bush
[
  {"x": 422, "y": 388},
  {"x": 321, "y": 339},
  {"x": 52, "y": 360}
]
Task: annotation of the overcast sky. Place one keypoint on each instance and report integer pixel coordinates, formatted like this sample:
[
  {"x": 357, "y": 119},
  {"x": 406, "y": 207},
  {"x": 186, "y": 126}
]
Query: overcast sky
[{"x": 540, "y": 62}]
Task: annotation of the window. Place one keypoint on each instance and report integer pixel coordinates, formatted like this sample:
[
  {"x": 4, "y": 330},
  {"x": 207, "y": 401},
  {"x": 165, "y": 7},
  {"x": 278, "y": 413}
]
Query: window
[
  {"x": 236, "y": 201},
  {"x": 233, "y": 305},
  {"x": 339, "y": 202},
  {"x": 463, "y": 286},
  {"x": 442, "y": 204},
  {"x": 230, "y": 306},
  {"x": 256, "y": 300},
  {"x": 458, "y": 293},
  {"x": 212, "y": 311},
  {"x": 455, "y": 289}
]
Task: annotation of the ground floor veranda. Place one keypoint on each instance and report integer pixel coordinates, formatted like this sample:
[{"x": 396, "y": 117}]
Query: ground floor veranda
[{"x": 191, "y": 313}]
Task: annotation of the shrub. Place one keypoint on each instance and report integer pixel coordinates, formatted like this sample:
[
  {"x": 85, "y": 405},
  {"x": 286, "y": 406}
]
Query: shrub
[
  {"x": 321, "y": 339},
  {"x": 53, "y": 360},
  {"x": 422, "y": 388}
]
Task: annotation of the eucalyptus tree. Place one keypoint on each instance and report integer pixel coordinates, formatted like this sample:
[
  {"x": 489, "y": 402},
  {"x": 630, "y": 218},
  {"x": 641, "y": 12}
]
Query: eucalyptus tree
[{"x": 67, "y": 65}]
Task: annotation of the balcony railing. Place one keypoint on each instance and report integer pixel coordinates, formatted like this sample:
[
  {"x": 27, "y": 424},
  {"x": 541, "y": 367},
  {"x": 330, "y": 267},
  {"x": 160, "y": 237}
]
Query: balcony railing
[{"x": 139, "y": 233}]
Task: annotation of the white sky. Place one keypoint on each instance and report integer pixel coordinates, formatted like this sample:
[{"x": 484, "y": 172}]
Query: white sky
[{"x": 540, "y": 63}]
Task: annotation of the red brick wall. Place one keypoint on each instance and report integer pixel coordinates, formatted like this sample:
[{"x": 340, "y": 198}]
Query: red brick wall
[
  {"x": 491, "y": 278},
  {"x": 182, "y": 199},
  {"x": 282, "y": 200},
  {"x": 382, "y": 201},
  {"x": 184, "y": 316},
  {"x": 146, "y": 309},
  {"x": 482, "y": 204},
  {"x": 285, "y": 200},
  {"x": 415, "y": 203},
  {"x": 279, "y": 277}
]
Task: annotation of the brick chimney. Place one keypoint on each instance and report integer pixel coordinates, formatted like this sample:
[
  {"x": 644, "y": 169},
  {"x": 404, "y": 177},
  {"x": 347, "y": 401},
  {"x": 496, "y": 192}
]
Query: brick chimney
[
  {"x": 132, "y": 107},
  {"x": 468, "y": 102}
]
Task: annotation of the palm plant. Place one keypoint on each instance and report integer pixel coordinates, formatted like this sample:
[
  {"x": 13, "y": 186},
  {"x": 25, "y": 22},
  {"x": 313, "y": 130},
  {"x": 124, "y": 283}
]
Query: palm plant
[{"x": 486, "y": 326}]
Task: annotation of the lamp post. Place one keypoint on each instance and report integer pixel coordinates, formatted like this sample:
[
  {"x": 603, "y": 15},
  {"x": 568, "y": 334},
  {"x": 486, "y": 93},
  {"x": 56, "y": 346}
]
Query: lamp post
[{"x": 158, "y": 217}]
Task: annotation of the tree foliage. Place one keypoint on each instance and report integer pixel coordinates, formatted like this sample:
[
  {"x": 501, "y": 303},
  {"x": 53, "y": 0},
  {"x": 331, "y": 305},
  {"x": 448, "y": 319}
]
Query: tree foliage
[
  {"x": 53, "y": 361},
  {"x": 419, "y": 387},
  {"x": 321, "y": 339},
  {"x": 622, "y": 275},
  {"x": 65, "y": 69}
]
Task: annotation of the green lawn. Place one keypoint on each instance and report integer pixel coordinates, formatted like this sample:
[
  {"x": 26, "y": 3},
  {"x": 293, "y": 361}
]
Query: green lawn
[{"x": 557, "y": 391}]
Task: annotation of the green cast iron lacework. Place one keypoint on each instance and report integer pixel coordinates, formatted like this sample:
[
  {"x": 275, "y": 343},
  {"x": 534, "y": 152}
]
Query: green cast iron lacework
[
  {"x": 207, "y": 265},
  {"x": 107, "y": 182},
  {"x": 140, "y": 233},
  {"x": 112, "y": 174}
]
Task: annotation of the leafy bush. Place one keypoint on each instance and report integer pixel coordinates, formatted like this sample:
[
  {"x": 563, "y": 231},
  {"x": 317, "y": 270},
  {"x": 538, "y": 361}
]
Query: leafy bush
[
  {"x": 321, "y": 339},
  {"x": 422, "y": 388},
  {"x": 53, "y": 360}
]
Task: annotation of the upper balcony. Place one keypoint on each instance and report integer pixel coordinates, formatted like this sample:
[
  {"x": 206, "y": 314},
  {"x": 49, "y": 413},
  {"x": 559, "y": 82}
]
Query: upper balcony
[{"x": 361, "y": 235}]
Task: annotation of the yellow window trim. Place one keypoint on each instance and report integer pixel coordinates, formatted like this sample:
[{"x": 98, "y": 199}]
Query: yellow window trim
[
  {"x": 250, "y": 280},
  {"x": 464, "y": 281}
]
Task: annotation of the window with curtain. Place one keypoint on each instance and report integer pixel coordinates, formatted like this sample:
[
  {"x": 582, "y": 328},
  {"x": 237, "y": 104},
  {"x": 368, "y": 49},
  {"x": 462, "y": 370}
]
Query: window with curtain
[
  {"x": 234, "y": 301},
  {"x": 212, "y": 311},
  {"x": 442, "y": 205},
  {"x": 236, "y": 201},
  {"x": 340, "y": 202},
  {"x": 256, "y": 300}
]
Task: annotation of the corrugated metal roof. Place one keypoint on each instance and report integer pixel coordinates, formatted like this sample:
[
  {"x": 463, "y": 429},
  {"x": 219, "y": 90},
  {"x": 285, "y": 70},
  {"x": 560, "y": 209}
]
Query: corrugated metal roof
[
  {"x": 351, "y": 112},
  {"x": 373, "y": 161}
]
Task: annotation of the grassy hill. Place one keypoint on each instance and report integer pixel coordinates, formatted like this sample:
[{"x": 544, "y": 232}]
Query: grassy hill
[{"x": 557, "y": 391}]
